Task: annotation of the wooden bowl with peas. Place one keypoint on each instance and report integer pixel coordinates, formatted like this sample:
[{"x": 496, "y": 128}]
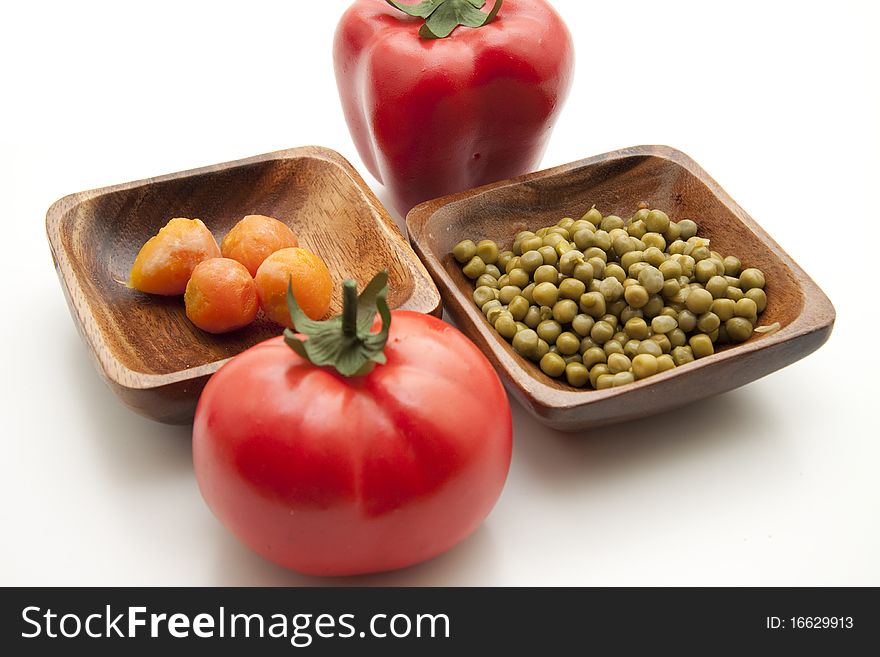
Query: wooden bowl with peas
[
  {"x": 148, "y": 346},
  {"x": 617, "y": 287}
]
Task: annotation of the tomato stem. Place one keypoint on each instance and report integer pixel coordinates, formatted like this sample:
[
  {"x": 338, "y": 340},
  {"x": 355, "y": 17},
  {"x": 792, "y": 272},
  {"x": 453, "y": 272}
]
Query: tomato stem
[
  {"x": 349, "y": 308},
  {"x": 443, "y": 16},
  {"x": 345, "y": 342}
]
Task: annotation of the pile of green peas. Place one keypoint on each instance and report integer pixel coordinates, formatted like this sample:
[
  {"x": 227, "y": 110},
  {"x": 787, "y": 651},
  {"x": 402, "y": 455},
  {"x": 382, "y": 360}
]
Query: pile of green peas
[{"x": 604, "y": 302}]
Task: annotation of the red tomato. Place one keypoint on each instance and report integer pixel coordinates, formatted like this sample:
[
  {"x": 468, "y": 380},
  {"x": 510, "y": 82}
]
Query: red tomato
[{"x": 334, "y": 475}]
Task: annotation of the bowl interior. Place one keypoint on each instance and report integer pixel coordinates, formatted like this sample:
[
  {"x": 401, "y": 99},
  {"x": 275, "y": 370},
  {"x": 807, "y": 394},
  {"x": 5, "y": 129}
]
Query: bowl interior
[
  {"x": 316, "y": 196},
  {"x": 615, "y": 186}
]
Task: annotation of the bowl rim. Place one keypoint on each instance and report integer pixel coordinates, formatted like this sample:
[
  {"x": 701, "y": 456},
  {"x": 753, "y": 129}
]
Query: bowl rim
[
  {"x": 111, "y": 366},
  {"x": 816, "y": 314}
]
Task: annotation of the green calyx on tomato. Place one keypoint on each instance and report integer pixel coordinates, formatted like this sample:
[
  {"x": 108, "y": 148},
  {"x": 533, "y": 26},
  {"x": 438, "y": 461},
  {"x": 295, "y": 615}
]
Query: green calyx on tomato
[
  {"x": 346, "y": 342},
  {"x": 443, "y": 16}
]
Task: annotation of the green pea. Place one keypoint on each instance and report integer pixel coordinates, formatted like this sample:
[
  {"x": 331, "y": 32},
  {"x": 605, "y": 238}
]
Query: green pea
[
  {"x": 549, "y": 254},
  {"x": 663, "y": 324},
  {"x": 592, "y": 356},
  {"x": 670, "y": 269},
  {"x": 584, "y": 239},
  {"x": 699, "y": 301},
  {"x": 677, "y": 338},
  {"x": 597, "y": 264},
  {"x": 587, "y": 343},
  {"x": 701, "y": 345},
  {"x": 593, "y": 216},
  {"x": 580, "y": 224},
  {"x": 552, "y": 365},
  {"x": 543, "y": 349},
  {"x": 650, "y": 347},
  {"x": 665, "y": 363},
  {"x": 636, "y": 328},
  {"x": 569, "y": 260},
  {"x": 518, "y": 277},
  {"x": 564, "y": 311},
  {"x": 739, "y": 329},
  {"x": 506, "y": 325},
  {"x": 601, "y": 332},
  {"x": 518, "y": 307},
  {"x": 732, "y": 266},
  {"x": 549, "y": 330},
  {"x": 622, "y": 379},
  {"x": 489, "y": 305},
  {"x": 464, "y": 251},
  {"x": 568, "y": 343},
  {"x": 503, "y": 258},
  {"x": 576, "y": 374},
  {"x": 533, "y": 317},
  {"x": 582, "y": 324},
  {"x": 527, "y": 293},
  {"x": 734, "y": 293},
  {"x": 525, "y": 343},
  {"x": 746, "y": 307},
  {"x": 656, "y": 245},
  {"x": 530, "y": 261},
  {"x": 597, "y": 370},
  {"x": 724, "y": 308},
  {"x": 545, "y": 294},
  {"x": 687, "y": 229},
  {"x": 611, "y": 289},
  {"x": 636, "y": 296},
  {"x": 571, "y": 288},
  {"x": 708, "y": 322},
  {"x": 757, "y": 295},
  {"x": 474, "y": 268},
  {"x": 483, "y": 295},
  {"x": 657, "y": 221},
  {"x": 644, "y": 365},
  {"x": 671, "y": 288},
  {"x": 493, "y": 313},
  {"x": 546, "y": 274},
  {"x": 485, "y": 280},
  {"x": 682, "y": 356},
  {"x": 672, "y": 233},
  {"x": 676, "y": 247},
  {"x": 663, "y": 341},
  {"x": 532, "y": 243},
  {"x": 651, "y": 279},
  {"x": 751, "y": 278},
  {"x": 583, "y": 271},
  {"x": 552, "y": 239},
  {"x": 507, "y": 293},
  {"x": 654, "y": 306},
  {"x": 563, "y": 247},
  {"x": 618, "y": 363}
]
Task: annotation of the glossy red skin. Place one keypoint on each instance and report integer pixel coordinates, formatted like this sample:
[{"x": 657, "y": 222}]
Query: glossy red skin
[
  {"x": 333, "y": 476},
  {"x": 434, "y": 117}
]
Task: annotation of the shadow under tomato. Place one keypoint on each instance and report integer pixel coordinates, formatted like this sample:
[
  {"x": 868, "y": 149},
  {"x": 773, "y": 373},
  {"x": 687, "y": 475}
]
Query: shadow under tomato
[{"x": 470, "y": 563}]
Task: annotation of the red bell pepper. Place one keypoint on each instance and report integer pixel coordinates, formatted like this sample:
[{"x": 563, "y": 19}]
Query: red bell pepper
[{"x": 450, "y": 97}]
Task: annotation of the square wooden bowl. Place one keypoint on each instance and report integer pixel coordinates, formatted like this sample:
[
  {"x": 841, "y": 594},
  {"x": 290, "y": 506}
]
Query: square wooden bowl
[
  {"x": 149, "y": 353},
  {"x": 616, "y": 182}
]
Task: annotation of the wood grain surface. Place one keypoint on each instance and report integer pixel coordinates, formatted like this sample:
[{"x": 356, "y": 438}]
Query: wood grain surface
[
  {"x": 616, "y": 183},
  {"x": 153, "y": 357}
]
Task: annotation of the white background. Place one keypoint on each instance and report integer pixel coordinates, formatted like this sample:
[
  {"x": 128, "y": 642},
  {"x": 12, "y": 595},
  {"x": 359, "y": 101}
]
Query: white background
[{"x": 775, "y": 483}]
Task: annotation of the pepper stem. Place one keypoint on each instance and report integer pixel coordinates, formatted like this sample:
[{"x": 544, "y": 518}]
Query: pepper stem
[{"x": 345, "y": 342}]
